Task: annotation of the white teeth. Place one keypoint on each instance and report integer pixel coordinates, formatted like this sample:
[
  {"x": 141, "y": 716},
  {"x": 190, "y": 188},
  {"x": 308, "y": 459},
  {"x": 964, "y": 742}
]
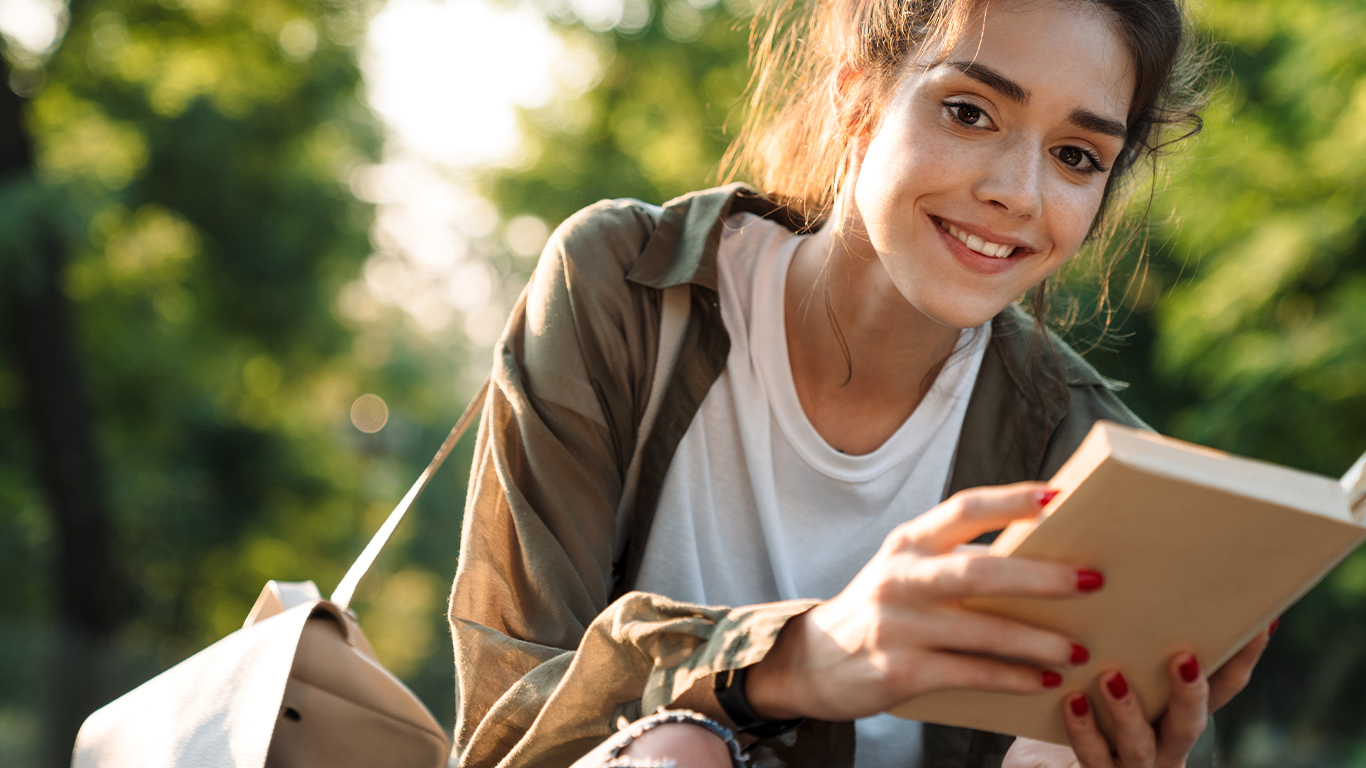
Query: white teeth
[{"x": 995, "y": 250}]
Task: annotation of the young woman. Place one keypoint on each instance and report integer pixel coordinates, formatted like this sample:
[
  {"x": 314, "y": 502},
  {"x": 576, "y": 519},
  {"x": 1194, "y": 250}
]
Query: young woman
[{"x": 853, "y": 356}]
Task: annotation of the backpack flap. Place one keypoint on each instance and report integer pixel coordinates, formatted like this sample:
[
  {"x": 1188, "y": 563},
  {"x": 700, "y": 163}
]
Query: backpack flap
[
  {"x": 216, "y": 709},
  {"x": 342, "y": 709},
  {"x": 280, "y": 596},
  {"x": 297, "y": 687}
]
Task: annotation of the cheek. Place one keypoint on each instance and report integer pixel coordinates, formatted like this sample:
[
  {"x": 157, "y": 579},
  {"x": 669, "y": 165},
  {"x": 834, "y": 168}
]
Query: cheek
[
  {"x": 900, "y": 167},
  {"x": 1072, "y": 210}
]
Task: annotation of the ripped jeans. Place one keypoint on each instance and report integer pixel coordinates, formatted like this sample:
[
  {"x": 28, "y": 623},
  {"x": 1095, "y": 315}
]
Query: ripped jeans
[{"x": 606, "y": 754}]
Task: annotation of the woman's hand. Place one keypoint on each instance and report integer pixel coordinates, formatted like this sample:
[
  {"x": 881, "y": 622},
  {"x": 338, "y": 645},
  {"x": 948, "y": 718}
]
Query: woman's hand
[
  {"x": 1138, "y": 744},
  {"x": 899, "y": 631}
]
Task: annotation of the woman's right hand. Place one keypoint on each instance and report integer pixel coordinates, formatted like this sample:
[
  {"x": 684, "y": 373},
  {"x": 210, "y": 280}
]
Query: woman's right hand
[{"x": 899, "y": 629}]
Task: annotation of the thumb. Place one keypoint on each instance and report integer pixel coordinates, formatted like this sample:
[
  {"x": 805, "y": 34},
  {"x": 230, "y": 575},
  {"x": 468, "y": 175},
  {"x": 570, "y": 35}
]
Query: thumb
[{"x": 971, "y": 513}]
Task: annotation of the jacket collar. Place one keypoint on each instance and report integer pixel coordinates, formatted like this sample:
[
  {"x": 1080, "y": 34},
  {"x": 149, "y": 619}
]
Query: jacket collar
[{"x": 684, "y": 244}]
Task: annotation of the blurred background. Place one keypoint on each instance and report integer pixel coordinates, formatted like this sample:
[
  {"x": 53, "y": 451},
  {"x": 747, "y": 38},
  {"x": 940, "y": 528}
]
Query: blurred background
[{"x": 254, "y": 253}]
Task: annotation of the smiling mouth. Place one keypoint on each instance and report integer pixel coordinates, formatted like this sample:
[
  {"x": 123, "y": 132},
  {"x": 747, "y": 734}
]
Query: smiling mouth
[{"x": 977, "y": 244}]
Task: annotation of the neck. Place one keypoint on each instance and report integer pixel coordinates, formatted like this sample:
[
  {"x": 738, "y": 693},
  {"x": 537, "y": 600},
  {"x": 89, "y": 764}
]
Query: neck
[{"x": 858, "y": 392}]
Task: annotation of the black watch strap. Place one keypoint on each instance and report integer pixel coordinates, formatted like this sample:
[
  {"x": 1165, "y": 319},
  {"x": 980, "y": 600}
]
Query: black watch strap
[{"x": 730, "y": 694}]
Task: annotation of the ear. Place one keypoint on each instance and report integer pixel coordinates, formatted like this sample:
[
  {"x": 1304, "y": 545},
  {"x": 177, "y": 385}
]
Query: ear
[{"x": 843, "y": 95}]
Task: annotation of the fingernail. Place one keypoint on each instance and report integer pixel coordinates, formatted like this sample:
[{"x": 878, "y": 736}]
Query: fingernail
[
  {"x": 1046, "y": 496},
  {"x": 1118, "y": 686},
  {"x": 1051, "y": 679},
  {"x": 1190, "y": 670},
  {"x": 1079, "y": 654},
  {"x": 1089, "y": 581},
  {"x": 1275, "y": 624},
  {"x": 1079, "y": 706}
]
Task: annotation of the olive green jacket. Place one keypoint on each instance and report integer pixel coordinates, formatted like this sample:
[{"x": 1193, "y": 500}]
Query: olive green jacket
[{"x": 550, "y": 646}]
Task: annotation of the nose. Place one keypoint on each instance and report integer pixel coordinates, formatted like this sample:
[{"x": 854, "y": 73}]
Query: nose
[{"x": 1013, "y": 179}]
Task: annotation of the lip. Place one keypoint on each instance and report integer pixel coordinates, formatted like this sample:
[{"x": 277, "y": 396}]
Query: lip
[{"x": 987, "y": 265}]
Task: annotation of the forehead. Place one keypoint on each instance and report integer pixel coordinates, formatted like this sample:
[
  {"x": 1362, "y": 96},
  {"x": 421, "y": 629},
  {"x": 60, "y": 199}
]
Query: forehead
[{"x": 1064, "y": 53}]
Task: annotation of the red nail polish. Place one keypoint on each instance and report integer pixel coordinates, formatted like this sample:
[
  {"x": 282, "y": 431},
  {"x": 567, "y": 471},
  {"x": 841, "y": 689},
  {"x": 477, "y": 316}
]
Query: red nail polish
[
  {"x": 1275, "y": 624},
  {"x": 1089, "y": 581},
  {"x": 1051, "y": 679},
  {"x": 1190, "y": 670},
  {"x": 1079, "y": 654},
  {"x": 1118, "y": 686},
  {"x": 1046, "y": 496},
  {"x": 1079, "y": 706}
]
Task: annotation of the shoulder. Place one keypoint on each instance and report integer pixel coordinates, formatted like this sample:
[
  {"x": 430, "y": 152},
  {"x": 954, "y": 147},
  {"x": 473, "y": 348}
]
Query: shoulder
[
  {"x": 602, "y": 240},
  {"x": 655, "y": 246},
  {"x": 580, "y": 281},
  {"x": 1040, "y": 355},
  {"x": 1066, "y": 392}
]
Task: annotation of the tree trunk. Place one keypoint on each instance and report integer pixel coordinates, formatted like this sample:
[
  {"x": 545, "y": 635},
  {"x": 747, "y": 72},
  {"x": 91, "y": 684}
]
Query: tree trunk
[{"x": 87, "y": 590}]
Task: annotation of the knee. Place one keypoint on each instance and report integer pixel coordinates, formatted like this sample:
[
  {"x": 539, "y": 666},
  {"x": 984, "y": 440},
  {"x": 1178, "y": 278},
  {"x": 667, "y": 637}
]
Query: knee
[{"x": 684, "y": 744}]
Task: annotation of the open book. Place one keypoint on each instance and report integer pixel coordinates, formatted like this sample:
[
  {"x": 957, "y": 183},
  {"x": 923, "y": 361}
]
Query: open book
[{"x": 1201, "y": 550}]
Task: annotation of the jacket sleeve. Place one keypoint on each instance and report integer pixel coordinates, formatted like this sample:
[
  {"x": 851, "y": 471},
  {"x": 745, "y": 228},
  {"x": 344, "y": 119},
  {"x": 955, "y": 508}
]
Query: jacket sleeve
[{"x": 544, "y": 664}]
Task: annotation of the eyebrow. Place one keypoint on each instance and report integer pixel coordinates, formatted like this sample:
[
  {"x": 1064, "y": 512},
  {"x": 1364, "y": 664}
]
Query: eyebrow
[
  {"x": 993, "y": 80},
  {"x": 1088, "y": 120},
  {"x": 1082, "y": 118}
]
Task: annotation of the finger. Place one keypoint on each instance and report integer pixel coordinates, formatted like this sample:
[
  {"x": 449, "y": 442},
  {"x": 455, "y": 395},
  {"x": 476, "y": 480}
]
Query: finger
[
  {"x": 1233, "y": 677},
  {"x": 1187, "y": 710},
  {"x": 962, "y": 631},
  {"x": 941, "y": 670},
  {"x": 1135, "y": 742},
  {"x": 971, "y": 513},
  {"x": 1091, "y": 748},
  {"x": 968, "y": 574}
]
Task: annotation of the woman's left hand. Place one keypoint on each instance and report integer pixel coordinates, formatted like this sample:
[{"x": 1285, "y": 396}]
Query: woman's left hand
[{"x": 1138, "y": 744}]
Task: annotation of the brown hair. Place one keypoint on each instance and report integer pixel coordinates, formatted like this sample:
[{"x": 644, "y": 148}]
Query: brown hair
[{"x": 795, "y": 141}]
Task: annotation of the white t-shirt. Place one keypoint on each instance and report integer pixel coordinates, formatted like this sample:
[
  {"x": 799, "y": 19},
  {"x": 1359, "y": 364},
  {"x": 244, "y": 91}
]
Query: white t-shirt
[{"x": 757, "y": 507}]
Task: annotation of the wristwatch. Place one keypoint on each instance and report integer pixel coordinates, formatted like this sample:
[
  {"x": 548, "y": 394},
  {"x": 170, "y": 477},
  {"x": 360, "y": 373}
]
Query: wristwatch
[{"x": 730, "y": 693}]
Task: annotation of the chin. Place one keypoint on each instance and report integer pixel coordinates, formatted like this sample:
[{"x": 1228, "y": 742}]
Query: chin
[{"x": 963, "y": 312}]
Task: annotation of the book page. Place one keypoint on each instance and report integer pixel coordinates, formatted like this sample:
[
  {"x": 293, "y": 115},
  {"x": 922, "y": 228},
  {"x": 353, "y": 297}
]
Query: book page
[
  {"x": 1354, "y": 483},
  {"x": 1261, "y": 480}
]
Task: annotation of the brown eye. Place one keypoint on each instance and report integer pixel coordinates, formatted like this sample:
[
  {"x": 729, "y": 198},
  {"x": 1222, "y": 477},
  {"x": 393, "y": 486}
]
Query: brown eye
[
  {"x": 1079, "y": 159},
  {"x": 967, "y": 113}
]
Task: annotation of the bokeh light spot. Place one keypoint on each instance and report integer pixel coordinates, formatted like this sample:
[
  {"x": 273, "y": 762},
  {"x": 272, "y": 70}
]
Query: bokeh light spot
[{"x": 369, "y": 413}]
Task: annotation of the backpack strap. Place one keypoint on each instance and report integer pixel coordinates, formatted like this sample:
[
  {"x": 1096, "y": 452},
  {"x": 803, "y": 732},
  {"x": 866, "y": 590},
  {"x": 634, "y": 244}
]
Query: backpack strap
[
  {"x": 676, "y": 305},
  {"x": 346, "y": 589}
]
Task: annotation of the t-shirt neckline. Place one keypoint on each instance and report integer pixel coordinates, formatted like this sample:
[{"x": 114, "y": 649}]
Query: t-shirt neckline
[{"x": 769, "y": 348}]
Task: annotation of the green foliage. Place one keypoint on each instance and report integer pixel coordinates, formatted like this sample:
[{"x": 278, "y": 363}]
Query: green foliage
[
  {"x": 194, "y": 157},
  {"x": 653, "y": 128},
  {"x": 217, "y": 220}
]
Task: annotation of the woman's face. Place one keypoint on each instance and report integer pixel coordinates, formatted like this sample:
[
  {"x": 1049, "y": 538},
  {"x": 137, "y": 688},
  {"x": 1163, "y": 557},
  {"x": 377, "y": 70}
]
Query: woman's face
[{"x": 988, "y": 169}]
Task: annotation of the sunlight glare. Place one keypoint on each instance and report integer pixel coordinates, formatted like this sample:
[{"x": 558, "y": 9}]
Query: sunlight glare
[
  {"x": 447, "y": 77},
  {"x": 34, "y": 25}
]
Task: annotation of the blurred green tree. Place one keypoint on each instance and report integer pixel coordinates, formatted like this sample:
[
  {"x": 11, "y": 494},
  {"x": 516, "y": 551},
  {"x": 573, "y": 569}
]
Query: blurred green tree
[
  {"x": 175, "y": 225},
  {"x": 655, "y": 125},
  {"x": 90, "y": 598}
]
